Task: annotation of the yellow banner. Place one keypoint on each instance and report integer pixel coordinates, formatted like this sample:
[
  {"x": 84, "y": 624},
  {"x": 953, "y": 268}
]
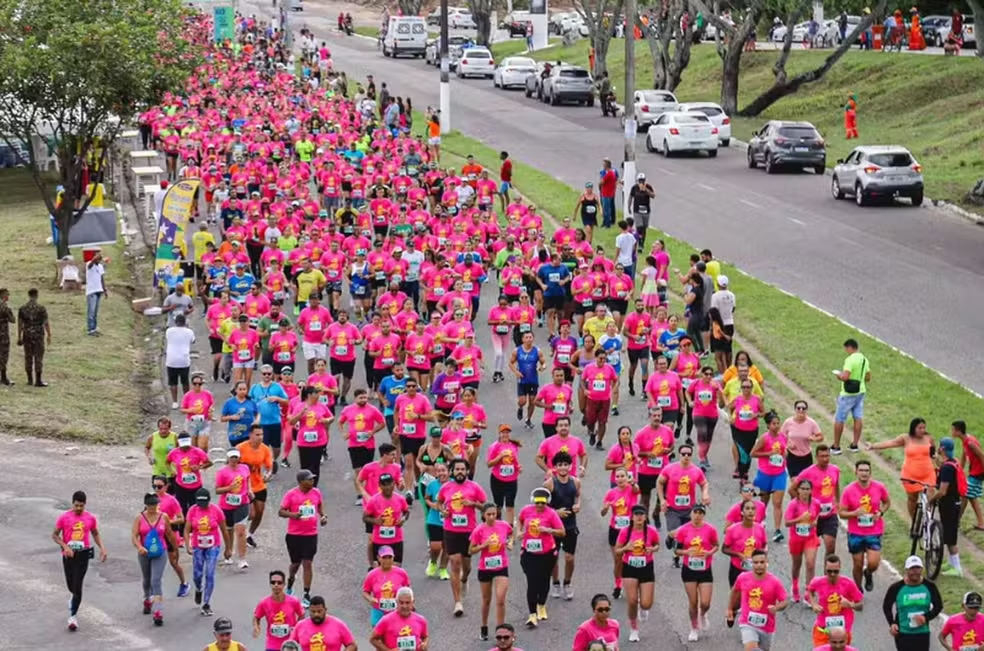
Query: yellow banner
[{"x": 172, "y": 245}]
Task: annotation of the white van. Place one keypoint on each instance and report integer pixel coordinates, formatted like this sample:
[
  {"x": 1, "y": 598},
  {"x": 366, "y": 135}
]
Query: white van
[{"x": 405, "y": 35}]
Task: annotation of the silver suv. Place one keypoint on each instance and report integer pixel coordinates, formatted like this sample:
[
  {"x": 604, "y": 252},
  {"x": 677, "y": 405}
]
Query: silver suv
[{"x": 878, "y": 172}]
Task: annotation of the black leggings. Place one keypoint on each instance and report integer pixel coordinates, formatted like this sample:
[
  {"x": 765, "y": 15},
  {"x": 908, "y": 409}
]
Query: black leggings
[
  {"x": 705, "y": 427},
  {"x": 745, "y": 440},
  {"x": 912, "y": 642},
  {"x": 75, "y": 569},
  {"x": 538, "y": 568},
  {"x": 310, "y": 457}
]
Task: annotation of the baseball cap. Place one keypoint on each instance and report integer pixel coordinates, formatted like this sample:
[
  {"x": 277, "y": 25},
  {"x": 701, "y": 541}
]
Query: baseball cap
[
  {"x": 722, "y": 281},
  {"x": 973, "y": 599},
  {"x": 305, "y": 475},
  {"x": 223, "y": 625},
  {"x": 640, "y": 177},
  {"x": 385, "y": 550},
  {"x": 435, "y": 430},
  {"x": 639, "y": 508},
  {"x": 540, "y": 496},
  {"x": 505, "y": 427},
  {"x": 385, "y": 478},
  {"x": 699, "y": 507},
  {"x": 232, "y": 453},
  {"x": 184, "y": 439},
  {"x": 913, "y": 561}
]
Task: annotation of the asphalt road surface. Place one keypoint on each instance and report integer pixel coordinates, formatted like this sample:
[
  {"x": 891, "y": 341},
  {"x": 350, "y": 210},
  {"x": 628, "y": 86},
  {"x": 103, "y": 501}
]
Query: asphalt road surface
[{"x": 906, "y": 275}]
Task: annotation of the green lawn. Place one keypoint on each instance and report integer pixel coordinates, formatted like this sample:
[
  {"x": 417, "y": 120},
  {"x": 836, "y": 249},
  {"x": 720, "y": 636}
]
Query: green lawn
[
  {"x": 94, "y": 390},
  {"x": 510, "y": 47},
  {"x": 930, "y": 104}
]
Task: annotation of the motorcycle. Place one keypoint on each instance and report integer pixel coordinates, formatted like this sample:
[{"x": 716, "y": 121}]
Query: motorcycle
[{"x": 608, "y": 105}]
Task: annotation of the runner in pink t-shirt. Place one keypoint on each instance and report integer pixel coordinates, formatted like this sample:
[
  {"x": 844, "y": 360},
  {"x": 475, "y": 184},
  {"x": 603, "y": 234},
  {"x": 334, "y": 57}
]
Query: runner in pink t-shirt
[
  {"x": 562, "y": 441},
  {"x": 555, "y": 400},
  {"x": 825, "y": 478},
  {"x": 361, "y": 421},
  {"x": 834, "y": 598},
  {"x": 382, "y": 583},
  {"x": 653, "y": 443},
  {"x": 601, "y": 626},
  {"x": 492, "y": 541},
  {"x": 761, "y": 596},
  {"x": 741, "y": 540},
  {"x": 599, "y": 380},
  {"x": 75, "y": 531},
  {"x": 403, "y": 628},
  {"x": 281, "y": 611},
  {"x": 634, "y": 548},
  {"x": 966, "y": 630},
  {"x": 801, "y": 518},
  {"x": 322, "y": 632},
  {"x": 696, "y": 542},
  {"x": 862, "y": 504},
  {"x": 459, "y": 500}
]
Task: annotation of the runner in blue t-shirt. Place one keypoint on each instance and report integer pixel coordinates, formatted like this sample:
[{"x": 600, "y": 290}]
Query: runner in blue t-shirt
[{"x": 526, "y": 363}]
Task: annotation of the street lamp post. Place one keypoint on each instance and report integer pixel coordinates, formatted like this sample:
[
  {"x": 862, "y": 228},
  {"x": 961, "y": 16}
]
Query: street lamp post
[
  {"x": 629, "y": 166},
  {"x": 445, "y": 104}
]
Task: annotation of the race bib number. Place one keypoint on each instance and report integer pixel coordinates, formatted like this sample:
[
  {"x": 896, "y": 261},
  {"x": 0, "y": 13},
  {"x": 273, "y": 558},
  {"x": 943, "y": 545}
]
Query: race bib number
[
  {"x": 599, "y": 385},
  {"x": 283, "y": 357},
  {"x": 198, "y": 418},
  {"x": 655, "y": 462},
  {"x": 802, "y": 530},
  {"x": 468, "y": 372},
  {"x": 493, "y": 562},
  {"x": 507, "y": 470},
  {"x": 697, "y": 564},
  {"x": 590, "y": 209},
  {"x": 621, "y": 521},
  {"x": 387, "y": 605},
  {"x": 254, "y": 322},
  {"x": 664, "y": 401},
  {"x": 420, "y": 359},
  {"x": 681, "y": 500},
  {"x": 206, "y": 542},
  {"x": 362, "y": 437},
  {"x": 388, "y": 361},
  {"x": 314, "y": 326},
  {"x": 525, "y": 327},
  {"x": 409, "y": 428},
  {"x": 534, "y": 546},
  {"x": 560, "y": 408},
  {"x": 189, "y": 478},
  {"x": 279, "y": 630},
  {"x": 705, "y": 396},
  {"x": 341, "y": 351},
  {"x": 553, "y": 277},
  {"x": 387, "y": 532},
  {"x": 587, "y": 302},
  {"x": 866, "y": 520},
  {"x": 502, "y": 329},
  {"x": 459, "y": 520},
  {"x": 826, "y": 509},
  {"x": 746, "y": 564},
  {"x": 836, "y": 622},
  {"x": 467, "y": 286},
  {"x": 234, "y": 499},
  {"x": 776, "y": 460},
  {"x": 637, "y": 561},
  {"x": 563, "y": 358},
  {"x": 306, "y": 511},
  {"x": 757, "y": 619},
  {"x": 438, "y": 291},
  {"x": 244, "y": 355},
  {"x": 380, "y": 275},
  {"x": 406, "y": 643},
  {"x": 76, "y": 545},
  {"x": 310, "y": 436}
]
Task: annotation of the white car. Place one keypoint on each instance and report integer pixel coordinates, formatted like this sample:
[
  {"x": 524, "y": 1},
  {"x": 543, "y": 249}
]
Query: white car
[
  {"x": 716, "y": 115},
  {"x": 677, "y": 131},
  {"x": 650, "y": 104},
  {"x": 513, "y": 71},
  {"x": 476, "y": 61},
  {"x": 878, "y": 172},
  {"x": 461, "y": 20}
]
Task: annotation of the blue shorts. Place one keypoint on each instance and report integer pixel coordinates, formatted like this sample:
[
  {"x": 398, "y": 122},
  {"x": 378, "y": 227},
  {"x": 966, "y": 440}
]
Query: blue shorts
[
  {"x": 504, "y": 187},
  {"x": 272, "y": 435},
  {"x": 857, "y": 544},
  {"x": 375, "y": 615},
  {"x": 849, "y": 405},
  {"x": 527, "y": 389},
  {"x": 975, "y": 487},
  {"x": 770, "y": 483}
]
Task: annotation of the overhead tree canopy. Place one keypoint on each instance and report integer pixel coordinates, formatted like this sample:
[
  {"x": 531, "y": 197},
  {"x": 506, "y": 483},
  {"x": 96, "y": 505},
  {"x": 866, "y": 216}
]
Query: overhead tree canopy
[
  {"x": 669, "y": 35},
  {"x": 481, "y": 11},
  {"x": 75, "y": 71},
  {"x": 599, "y": 16}
]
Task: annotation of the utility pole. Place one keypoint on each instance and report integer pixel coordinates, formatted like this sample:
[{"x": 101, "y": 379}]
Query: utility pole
[
  {"x": 445, "y": 104},
  {"x": 629, "y": 166}
]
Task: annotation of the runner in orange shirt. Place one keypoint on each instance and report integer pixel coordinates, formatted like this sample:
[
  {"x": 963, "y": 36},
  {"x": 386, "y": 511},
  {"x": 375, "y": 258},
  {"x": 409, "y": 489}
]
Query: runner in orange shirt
[{"x": 258, "y": 456}]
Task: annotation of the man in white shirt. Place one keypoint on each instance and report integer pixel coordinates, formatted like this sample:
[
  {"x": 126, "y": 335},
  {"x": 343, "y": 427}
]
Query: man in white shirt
[
  {"x": 177, "y": 356},
  {"x": 724, "y": 300},
  {"x": 625, "y": 243},
  {"x": 95, "y": 289}
]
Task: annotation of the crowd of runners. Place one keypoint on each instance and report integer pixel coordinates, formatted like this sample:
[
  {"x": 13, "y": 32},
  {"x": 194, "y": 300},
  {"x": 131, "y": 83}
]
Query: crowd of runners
[{"x": 346, "y": 253}]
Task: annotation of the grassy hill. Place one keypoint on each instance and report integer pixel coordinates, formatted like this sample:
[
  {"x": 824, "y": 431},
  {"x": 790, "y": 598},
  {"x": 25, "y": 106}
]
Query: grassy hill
[{"x": 932, "y": 104}]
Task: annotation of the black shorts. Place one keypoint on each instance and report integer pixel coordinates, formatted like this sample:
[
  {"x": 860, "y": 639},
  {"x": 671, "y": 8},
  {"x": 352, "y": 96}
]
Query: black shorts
[
  {"x": 344, "y": 368},
  {"x": 671, "y": 416},
  {"x": 796, "y": 464},
  {"x": 397, "y": 550},
  {"x": 178, "y": 375},
  {"x": 613, "y": 536},
  {"x": 301, "y": 548},
  {"x": 380, "y": 374},
  {"x": 487, "y": 576},
  {"x": 637, "y": 355},
  {"x": 568, "y": 544},
  {"x": 360, "y": 456},
  {"x": 733, "y": 574},
  {"x": 589, "y": 220},
  {"x": 696, "y": 576},
  {"x": 828, "y": 526},
  {"x": 260, "y": 496},
  {"x": 581, "y": 308},
  {"x": 548, "y": 430},
  {"x": 335, "y": 287},
  {"x": 368, "y": 527},
  {"x": 524, "y": 389},
  {"x": 950, "y": 519},
  {"x": 456, "y": 543},
  {"x": 646, "y": 483},
  {"x": 644, "y": 574},
  {"x": 215, "y": 345},
  {"x": 618, "y": 305},
  {"x": 503, "y": 492},
  {"x": 272, "y": 435},
  {"x": 435, "y": 533},
  {"x": 236, "y": 515},
  {"x": 411, "y": 445},
  {"x": 553, "y": 302}
]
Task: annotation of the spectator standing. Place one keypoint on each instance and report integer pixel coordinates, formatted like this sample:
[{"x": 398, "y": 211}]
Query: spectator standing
[
  {"x": 33, "y": 332},
  {"x": 6, "y": 320},
  {"x": 177, "y": 356},
  {"x": 176, "y": 304},
  {"x": 95, "y": 290},
  {"x": 607, "y": 187},
  {"x": 854, "y": 377},
  {"x": 505, "y": 178}
]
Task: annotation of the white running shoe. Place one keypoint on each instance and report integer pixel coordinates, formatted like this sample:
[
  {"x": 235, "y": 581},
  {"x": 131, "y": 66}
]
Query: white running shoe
[
  {"x": 555, "y": 593},
  {"x": 243, "y": 565},
  {"x": 568, "y": 592},
  {"x": 174, "y": 405},
  {"x": 73, "y": 624},
  {"x": 705, "y": 622},
  {"x": 694, "y": 635},
  {"x": 634, "y": 636},
  {"x": 227, "y": 561}
]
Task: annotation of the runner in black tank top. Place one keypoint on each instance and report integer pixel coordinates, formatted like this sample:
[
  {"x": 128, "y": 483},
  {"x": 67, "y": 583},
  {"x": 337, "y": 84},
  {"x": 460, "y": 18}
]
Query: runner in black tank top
[{"x": 565, "y": 498}]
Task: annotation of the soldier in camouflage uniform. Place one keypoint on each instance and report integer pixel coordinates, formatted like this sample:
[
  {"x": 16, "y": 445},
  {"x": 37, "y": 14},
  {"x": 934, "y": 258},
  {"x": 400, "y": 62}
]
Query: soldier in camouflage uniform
[
  {"x": 33, "y": 332},
  {"x": 6, "y": 319}
]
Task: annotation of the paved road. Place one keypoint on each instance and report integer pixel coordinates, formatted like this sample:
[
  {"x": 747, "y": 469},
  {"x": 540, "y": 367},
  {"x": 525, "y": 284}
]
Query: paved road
[{"x": 892, "y": 271}]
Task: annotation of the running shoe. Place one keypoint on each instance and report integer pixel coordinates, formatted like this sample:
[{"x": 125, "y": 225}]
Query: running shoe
[
  {"x": 358, "y": 501},
  {"x": 146, "y": 607},
  {"x": 158, "y": 618},
  {"x": 306, "y": 601},
  {"x": 227, "y": 561},
  {"x": 483, "y": 634},
  {"x": 519, "y": 413},
  {"x": 443, "y": 574},
  {"x": 676, "y": 562},
  {"x": 555, "y": 593},
  {"x": 615, "y": 410},
  {"x": 243, "y": 565},
  {"x": 568, "y": 592},
  {"x": 778, "y": 536},
  {"x": 250, "y": 541},
  {"x": 73, "y": 624},
  {"x": 599, "y": 446},
  {"x": 459, "y": 610},
  {"x": 531, "y": 621},
  {"x": 591, "y": 440},
  {"x": 705, "y": 622},
  {"x": 950, "y": 571},
  {"x": 174, "y": 405},
  {"x": 529, "y": 424},
  {"x": 198, "y": 597},
  {"x": 616, "y": 593},
  {"x": 431, "y": 570},
  {"x": 206, "y": 610},
  {"x": 631, "y": 390},
  {"x": 853, "y": 448},
  {"x": 183, "y": 590},
  {"x": 541, "y": 613},
  {"x": 694, "y": 635},
  {"x": 285, "y": 463},
  {"x": 644, "y": 614},
  {"x": 634, "y": 636},
  {"x": 869, "y": 581},
  {"x": 835, "y": 450}
]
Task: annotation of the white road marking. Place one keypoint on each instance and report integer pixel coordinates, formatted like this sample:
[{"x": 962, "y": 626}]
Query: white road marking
[
  {"x": 706, "y": 187},
  {"x": 796, "y": 221},
  {"x": 749, "y": 203}
]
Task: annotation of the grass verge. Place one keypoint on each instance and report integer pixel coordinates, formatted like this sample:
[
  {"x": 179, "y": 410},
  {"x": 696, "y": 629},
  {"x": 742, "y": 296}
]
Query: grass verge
[
  {"x": 506, "y": 48},
  {"x": 93, "y": 394},
  {"x": 926, "y": 103}
]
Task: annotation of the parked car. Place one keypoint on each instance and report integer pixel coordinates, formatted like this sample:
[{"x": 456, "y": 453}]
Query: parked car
[
  {"x": 475, "y": 61},
  {"x": 515, "y": 23},
  {"x": 781, "y": 144},
  {"x": 405, "y": 35},
  {"x": 432, "y": 54},
  {"x": 937, "y": 36},
  {"x": 649, "y": 105},
  {"x": 715, "y": 114},
  {"x": 935, "y": 30},
  {"x": 677, "y": 131},
  {"x": 461, "y": 20},
  {"x": 554, "y": 26},
  {"x": 533, "y": 81},
  {"x": 710, "y": 29},
  {"x": 567, "y": 83},
  {"x": 434, "y": 17},
  {"x": 513, "y": 71},
  {"x": 874, "y": 172}
]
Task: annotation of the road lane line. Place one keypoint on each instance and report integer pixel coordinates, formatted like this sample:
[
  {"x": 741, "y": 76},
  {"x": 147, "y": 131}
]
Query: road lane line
[
  {"x": 796, "y": 221},
  {"x": 751, "y": 204},
  {"x": 706, "y": 187}
]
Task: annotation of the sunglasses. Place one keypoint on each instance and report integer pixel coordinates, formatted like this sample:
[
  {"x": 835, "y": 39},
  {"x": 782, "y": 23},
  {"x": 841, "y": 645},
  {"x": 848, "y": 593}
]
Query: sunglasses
[
  {"x": 160, "y": 485},
  {"x": 603, "y": 609},
  {"x": 686, "y": 454},
  {"x": 500, "y": 638},
  {"x": 801, "y": 409},
  {"x": 747, "y": 490},
  {"x": 746, "y": 386},
  {"x": 197, "y": 384},
  {"x": 708, "y": 373},
  {"x": 276, "y": 582},
  {"x": 266, "y": 374}
]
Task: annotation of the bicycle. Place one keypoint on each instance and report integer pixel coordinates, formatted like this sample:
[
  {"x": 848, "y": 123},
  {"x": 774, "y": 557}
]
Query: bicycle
[{"x": 926, "y": 531}]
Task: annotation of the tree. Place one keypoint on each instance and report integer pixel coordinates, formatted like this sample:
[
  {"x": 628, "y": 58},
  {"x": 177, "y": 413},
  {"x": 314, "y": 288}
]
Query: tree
[
  {"x": 732, "y": 45},
  {"x": 598, "y": 16},
  {"x": 977, "y": 8},
  {"x": 784, "y": 86},
  {"x": 481, "y": 11},
  {"x": 75, "y": 72},
  {"x": 410, "y": 7},
  {"x": 669, "y": 35}
]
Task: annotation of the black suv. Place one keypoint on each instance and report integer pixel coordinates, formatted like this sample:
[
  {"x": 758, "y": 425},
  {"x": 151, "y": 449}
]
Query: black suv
[{"x": 781, "y": 144}]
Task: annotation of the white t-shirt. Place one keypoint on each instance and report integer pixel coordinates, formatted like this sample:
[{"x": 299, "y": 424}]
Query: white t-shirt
[
  {"x": 724, "y": 301},
  {"x": 178, "y": 352},
  {"x": 626, "y": 244},
  {"x": 94, "y": 278}
]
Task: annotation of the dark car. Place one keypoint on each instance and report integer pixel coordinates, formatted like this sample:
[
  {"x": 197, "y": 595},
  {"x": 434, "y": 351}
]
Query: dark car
[
  {"x": 515, "y": 26},
  {"x": 781, "y": 144}
]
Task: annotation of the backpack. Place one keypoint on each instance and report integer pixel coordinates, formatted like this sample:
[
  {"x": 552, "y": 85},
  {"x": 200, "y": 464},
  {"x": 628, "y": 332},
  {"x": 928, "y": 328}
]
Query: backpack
[
  {"x": 961, "y": 477},
  {"x": 155, "y": 546}
]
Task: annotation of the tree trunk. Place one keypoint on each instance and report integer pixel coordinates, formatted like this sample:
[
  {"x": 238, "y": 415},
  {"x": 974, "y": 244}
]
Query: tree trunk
[
  {"x": 483, "y": 24},
  {"x": 977, "y": 7},
  {"x": 599, "y": 30},
  {"x": 731, "y": 65},
  {"x": 411, "y": 7},
  {"x": 683, "y": 39}
]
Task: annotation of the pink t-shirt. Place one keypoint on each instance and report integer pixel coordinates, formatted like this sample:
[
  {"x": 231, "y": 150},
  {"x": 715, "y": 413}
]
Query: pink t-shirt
[
  {"x": 384, "y": 584},
  {"x": 621, "y": 501},
  {"x": 663, "y": 390},
  {"x": 495, "y": 556},
  {"x": 399, "y": 632},
  {"x": 461, "y": 518},
  {"x": 554, "y": 444},
  {"x": 598, "y": 381},
  {"x": 804, "y": 530},
  {"x": 239, "y": 496},
  {"x": 827, "y": 647},
  {"x": 964, "y": 633},
  {"x": 637, "y": 556},
  {"x": 410, "y": 413},
  {"x": 557, "y": 401},
  {"x": 311, "y": 431},
  {"x": 798, "y": 435},
  {"x": 745, "y": 541},
  {"x": 705, "y": 397},
  {"x": 391, "y": 510},
  {"x": 206, "y": 528},
  {"x": 200, "y": 402},
  {"x": 360, "y": 422},
  {"x": 507, "y": 468},
  {"x": 331, "y": 635},
  {"x": 826, "y": 484},
  {"x": 681, "y": 485},
  {"x": 314, "y": 323},
  {"x": 869, "y": 501},
  {"x": 183, "y": 459},
  {"x": 756, "y": 597},
  {"x": 656, "y": 442},
  {"x": 341, "y": 340},
  {"x": 775, "y": 445},
  {"x": 696, "y": 539},
  {"x": 243, "y": 344},
  {"x": 828, "y": 597},
  {"x": 533, "y": 522},
  {"x": 734, "y": 513},
  {"x": 388, "y": 347},
  {"x": 76, "y": 529},
  {"x": 590, "y": 631},
  {"x": 280, "y": 616},
  {"x": 371, "y": 472},
  {"x": 746, "y": 413},
  {"x": 306, "y": 504},
  {"x": 626, "y": 456}
]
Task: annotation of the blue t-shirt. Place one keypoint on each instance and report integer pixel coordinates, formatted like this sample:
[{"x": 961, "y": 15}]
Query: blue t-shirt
[
  {"x": 434, "y": 515},
  {"x": 551, "y": 276},
  {"x": 392, "y": 389},
  {"x": 526, "y": 362},
  {"x": 240, "y": 285},
  {"x": 239, "y": 429},
  {"x": 613, "y": 346},
  {"x": 269, "y": 410},
  {"x": 671, "y": 340}
]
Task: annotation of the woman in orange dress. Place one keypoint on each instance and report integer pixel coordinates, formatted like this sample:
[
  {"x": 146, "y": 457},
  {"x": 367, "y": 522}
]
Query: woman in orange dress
[{"x": 919, "y": 449}]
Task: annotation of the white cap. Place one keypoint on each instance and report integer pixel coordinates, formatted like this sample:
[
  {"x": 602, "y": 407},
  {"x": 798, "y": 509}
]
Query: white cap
[
  {"x": 913, "y": 561},
  {"x": 722, "y": 281},
  {"x": 640, "y": 177},
  {"x": 232, "y": 453}
]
